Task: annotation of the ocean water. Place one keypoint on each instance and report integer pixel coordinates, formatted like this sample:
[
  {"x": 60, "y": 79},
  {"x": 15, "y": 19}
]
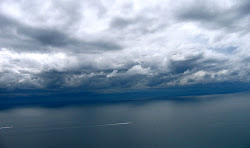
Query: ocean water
[{"x": 213, "y": 121}]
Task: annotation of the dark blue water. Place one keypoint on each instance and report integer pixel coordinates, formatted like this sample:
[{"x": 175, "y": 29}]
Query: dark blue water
[{"x": 218, "y": 121}]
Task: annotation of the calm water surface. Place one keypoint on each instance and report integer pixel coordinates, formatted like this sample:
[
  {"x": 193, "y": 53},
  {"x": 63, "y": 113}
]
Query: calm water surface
[{"x": 218, "y": 121}]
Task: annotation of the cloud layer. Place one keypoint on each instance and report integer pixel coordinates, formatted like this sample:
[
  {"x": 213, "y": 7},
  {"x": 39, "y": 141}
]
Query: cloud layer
[{"x": 123, "y": 44}]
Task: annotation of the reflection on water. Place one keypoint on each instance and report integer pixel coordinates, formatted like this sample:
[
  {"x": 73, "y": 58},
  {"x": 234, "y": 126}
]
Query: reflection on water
[{"x": 204, "y": 121}]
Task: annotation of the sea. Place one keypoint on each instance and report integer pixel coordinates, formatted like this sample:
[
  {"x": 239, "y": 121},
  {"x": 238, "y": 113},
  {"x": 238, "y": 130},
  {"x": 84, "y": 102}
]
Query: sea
[{"x": 201, "y": 121}]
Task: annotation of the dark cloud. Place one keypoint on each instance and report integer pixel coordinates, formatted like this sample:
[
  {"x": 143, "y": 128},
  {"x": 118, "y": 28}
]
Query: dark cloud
[
  {"x": 199, "y": 11},
  {"x": 212, "y": 16},
  {"x": 22, "y": 37},
  {"x": 243, "y": 8},
  {"x": 124, "y": 23},
  {"x": 121, "y": 22},
  {"x": 180, "y": 66},
  {"x": 136, "y": 24}
]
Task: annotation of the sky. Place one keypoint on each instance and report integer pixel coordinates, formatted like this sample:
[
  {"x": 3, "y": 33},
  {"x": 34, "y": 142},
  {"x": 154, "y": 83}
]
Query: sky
[{"x": 116, "y": 44}]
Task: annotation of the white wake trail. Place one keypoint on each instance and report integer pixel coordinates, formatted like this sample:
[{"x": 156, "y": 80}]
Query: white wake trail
[
  {"x": 63, "y": 128},
  {"x": 114, "y": 124},
  {"x": 6, "y": 127}
]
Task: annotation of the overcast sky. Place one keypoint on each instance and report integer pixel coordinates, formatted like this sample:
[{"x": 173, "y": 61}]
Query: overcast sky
[{"x": 104, "y": 44}]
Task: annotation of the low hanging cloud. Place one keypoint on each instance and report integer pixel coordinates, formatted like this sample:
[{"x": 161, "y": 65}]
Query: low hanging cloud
[{"x": 129, "y": 44}]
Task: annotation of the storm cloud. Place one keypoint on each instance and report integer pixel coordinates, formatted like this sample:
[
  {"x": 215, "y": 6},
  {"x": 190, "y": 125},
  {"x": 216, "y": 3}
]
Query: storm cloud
[{"x": 123, "y": 44}]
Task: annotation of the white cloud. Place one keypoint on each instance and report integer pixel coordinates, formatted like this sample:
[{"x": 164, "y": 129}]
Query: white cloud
[
  {"x": 112, "y": 74},
  {"x": 137, "y": 69}
]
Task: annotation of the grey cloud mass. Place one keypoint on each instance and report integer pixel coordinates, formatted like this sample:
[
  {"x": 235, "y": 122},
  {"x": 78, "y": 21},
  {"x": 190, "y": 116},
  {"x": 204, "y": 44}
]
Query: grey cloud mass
[
  {"x": 35, "y": 38},
  {"x": 232, "y": 17},
  {"x": 107, "y": 44}
]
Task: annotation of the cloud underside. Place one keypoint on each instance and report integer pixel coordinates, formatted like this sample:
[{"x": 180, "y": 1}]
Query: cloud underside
[{"x": 114, "y": 44}]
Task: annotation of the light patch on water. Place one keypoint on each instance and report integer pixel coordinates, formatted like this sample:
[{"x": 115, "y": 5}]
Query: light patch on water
[{"x": 6, "y": 127}]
